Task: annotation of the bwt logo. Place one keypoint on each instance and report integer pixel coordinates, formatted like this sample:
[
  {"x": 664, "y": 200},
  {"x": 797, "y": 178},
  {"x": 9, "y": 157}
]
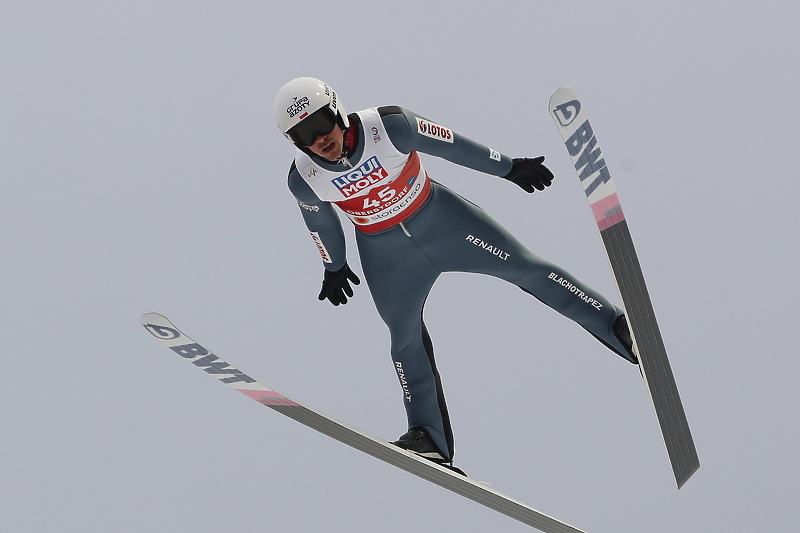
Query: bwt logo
[
  {"x": 567, "y": 112},
  {"x": 589, "y": 161},
  {"x": 200, "y": 356},
  {"x": 162, "y": 332},
  {"x": 363, "y": 177}
]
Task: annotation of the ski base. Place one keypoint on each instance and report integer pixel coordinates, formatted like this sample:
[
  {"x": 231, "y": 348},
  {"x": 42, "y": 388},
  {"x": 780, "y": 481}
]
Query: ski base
[
  {"x": 161, "y": 328},
  {"x": 581, "y": 143},
  {"x": 652, "y": 354}
]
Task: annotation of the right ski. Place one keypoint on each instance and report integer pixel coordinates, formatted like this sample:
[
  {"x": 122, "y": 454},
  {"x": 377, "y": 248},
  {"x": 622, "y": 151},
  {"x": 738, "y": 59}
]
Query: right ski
[{"x": 162, "y": 329}]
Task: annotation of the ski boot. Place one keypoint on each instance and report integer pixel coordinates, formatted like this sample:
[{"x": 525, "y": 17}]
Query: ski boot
[
  {"x": 417, "y": 440},
  {"x": 623, "y": 333}
]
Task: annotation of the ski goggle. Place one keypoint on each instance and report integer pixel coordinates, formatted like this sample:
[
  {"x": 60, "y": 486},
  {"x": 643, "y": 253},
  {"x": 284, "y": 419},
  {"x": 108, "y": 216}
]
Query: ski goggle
[{"x": 320, "y": 122}]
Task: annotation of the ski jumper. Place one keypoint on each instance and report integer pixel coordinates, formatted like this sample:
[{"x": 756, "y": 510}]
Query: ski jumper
[{"x": 410, "y": 229}]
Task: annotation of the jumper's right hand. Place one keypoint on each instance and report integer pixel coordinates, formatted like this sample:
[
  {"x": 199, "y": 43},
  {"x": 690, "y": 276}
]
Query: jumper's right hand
[{"x": 336, "y": 285}]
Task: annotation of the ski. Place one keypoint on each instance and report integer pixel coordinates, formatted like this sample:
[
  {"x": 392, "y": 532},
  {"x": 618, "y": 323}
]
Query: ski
[
  {"x": 165, "y": 331},
  {"x": 581, "y": 143}
]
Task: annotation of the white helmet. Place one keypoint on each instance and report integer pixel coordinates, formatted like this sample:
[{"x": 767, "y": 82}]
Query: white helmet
[{"x": 307, "y": 107}]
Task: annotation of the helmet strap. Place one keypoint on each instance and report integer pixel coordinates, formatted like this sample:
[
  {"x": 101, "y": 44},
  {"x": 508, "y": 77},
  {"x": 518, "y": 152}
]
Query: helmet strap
[{"x": 349, "y": 141}]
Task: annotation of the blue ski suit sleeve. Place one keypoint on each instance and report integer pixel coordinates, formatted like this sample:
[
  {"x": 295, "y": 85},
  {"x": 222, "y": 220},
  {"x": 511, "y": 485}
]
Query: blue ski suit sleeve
[
  {"x": 406, "y": 128},
  {"x": 321, "y": 220}
]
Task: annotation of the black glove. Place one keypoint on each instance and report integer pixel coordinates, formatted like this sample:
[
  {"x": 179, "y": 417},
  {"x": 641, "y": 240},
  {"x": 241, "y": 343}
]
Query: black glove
[
  {"x": 530, "y": 173},
  {"x": 337, "y": 283}
]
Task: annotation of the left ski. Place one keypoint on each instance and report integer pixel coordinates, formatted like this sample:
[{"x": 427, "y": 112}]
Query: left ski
[
  {"x": 162, "y": 329},
  {"x": 589, "y": 162}
]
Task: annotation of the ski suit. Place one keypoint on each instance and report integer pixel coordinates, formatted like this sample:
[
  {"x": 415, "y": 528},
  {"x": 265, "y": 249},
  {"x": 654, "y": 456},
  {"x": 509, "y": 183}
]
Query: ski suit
[{"x": 410, "y": 229}]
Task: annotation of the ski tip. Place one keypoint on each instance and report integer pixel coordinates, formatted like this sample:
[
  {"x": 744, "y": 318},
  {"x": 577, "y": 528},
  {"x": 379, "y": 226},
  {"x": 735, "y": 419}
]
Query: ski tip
[
  {"x": 150, "y": 318},
  {"x": 563, "y": 93}
]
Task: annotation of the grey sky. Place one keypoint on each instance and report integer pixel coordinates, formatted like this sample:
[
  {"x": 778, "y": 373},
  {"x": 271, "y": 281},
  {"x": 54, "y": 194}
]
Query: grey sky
[{"x": 142, "y": 171}]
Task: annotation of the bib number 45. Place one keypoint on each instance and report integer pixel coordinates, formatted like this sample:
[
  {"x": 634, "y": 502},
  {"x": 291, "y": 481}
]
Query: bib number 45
[{"x": 375, "y": 199}]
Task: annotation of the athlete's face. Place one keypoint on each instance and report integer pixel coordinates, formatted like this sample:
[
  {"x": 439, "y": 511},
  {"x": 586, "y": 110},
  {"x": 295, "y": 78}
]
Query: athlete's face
[{"x": 330, "y": 145}]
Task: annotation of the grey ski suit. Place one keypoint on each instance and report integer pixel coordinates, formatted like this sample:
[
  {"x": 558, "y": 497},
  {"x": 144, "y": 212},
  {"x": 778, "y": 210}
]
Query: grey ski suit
[{"x": 422, "y": 230}]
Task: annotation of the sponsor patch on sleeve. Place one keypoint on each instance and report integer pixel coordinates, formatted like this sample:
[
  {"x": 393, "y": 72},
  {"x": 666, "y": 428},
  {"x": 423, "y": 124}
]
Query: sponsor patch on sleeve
[
  {"x": 494, "y": 154},
  {"x": 434, "y": 131},
  {"x": 326, "y": 257}
]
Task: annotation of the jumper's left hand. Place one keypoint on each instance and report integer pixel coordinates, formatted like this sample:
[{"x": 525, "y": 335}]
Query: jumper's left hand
[{"x": 530, "y": 174}]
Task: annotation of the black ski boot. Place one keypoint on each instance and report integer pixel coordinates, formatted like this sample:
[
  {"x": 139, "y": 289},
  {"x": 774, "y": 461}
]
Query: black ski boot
[
  {"x": 417, "y": 440},
  {"x": 623, "y": 333}
]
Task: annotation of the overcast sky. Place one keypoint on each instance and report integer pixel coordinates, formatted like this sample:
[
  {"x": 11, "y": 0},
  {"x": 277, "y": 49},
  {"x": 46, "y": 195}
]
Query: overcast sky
[{"x": 142, "y": 171}]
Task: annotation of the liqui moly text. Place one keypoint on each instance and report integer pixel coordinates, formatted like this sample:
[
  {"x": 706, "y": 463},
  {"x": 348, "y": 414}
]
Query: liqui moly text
[{"x": 363, "y": 177}]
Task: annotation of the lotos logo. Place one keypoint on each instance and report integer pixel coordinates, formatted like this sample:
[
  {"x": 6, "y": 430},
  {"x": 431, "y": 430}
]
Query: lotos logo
[
  {"x": 298, "y": 105},
  {"x": 363, "y": 177},
  {"x": 433, "y": 130},
  {"x": 567, "y": 112}
]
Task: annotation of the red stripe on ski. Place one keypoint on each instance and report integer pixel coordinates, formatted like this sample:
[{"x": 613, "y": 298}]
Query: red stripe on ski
[
  {"x": 267, "y": 397},
  {"x": 608, "y": 211}
]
